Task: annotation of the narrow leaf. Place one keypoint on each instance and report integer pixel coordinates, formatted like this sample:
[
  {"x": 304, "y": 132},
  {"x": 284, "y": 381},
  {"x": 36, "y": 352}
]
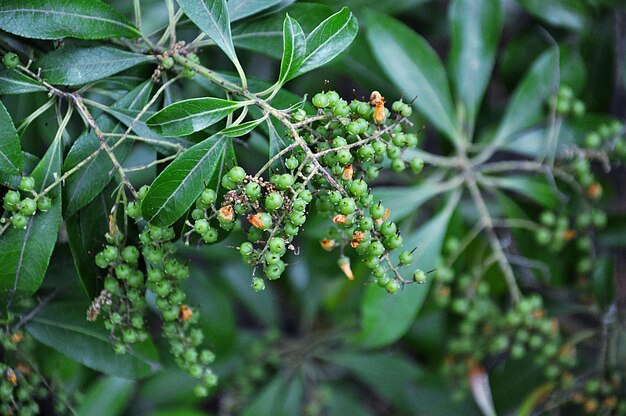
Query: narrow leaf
[
  {"x": 569, "y": 14},
  {"x": 294, "y": 49},
  {"x": 240, "y": 9},
  {"x": 277, "y": 143},
  {"x": 107, "y": 397},
  {"x": 188, "y": 116},
  {"x": 14, "y": 82},
  {"x": 82, "y": 19},
  {"x": 62, "y": 327},
  {"x": 380, "y": 329},
  {"x": 241, "y": 129},
  {"x": 211, "y": 16},
  {"x": 182, "y": 181},
  {"x": 83, "y": 186},
  {"x": 10, "y": 148},
  {"x": 476, "y": 27},
  {"x": 80, "y": 65},
  {"x": 328, "y": 40},
  {"x": 526, "y": 106},
  {"x": 414, "y": 67},
  {"x": 26, "y": 252}
]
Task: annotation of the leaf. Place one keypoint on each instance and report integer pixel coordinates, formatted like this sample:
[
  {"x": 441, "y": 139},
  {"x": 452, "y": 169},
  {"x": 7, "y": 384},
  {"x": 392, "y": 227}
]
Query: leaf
[
  {"x": 26, "y": 252},
  {"x": 61, "y": 327},
  {"x": 241, "y": 129},
  {"x": 83, "y": 186},
  {"x": 535, "y": 188},
  {"x": 182, "y": 181},
  {"x": 415, "y": 69},
  {"x": 381, "y": 329},
  {"x": 476, "y": 27},
  {"x": 73, "y": 65},
  {"x": 109, "y": 396},
  {"x": 14, "y": 82},
  {"x": 188, "y": 116},
  {"x": 240, "y": 9},
  {"x": 280, "y": 397},
  {"x": 85, "y": 234},
  {"x": 211, "y": 16},
  {"x": 10, "y": 147},
  {"x": 525, "y": 107},
  {"x": 82, "y": 19},
  {"x": 569, "y": 14},
  {"x": 294, "y": 49},
  {"x": 277, "y": 143},
  {"x": 329, "y": 39},
  {"x": 29, "y": 162},
  {"x": 265, "y": 34}
]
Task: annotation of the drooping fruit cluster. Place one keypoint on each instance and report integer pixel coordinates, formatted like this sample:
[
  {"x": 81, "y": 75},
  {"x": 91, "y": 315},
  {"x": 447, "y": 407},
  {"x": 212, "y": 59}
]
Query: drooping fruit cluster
[
  {"x": 180, "y": 326},
  {"x": 332, "y": 154},
  {"x": 565, "y": 103},
  {"x": 24, "y": 204},
  {"x": 122, "y": 300}
]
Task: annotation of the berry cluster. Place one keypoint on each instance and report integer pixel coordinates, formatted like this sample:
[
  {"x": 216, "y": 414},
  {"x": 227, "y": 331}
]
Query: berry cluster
[
  {"x": 601, "y": 395},
  {"x": 344, "y": 144},
  {"x": 566, "y": 103},
  {"x": 180, "y": 325},
  {"x": 22, "y": 206},
  {"x": 485, "y": 332}
]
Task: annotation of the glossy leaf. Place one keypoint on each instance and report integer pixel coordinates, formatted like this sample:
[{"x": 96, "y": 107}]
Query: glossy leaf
[
  {"x": 188, "y": 116},
  {"x": 294, "y": 49},
  {"x": 61, "y": 327},
  {"x": 26, "y": 252},
  {"x": 329, "y": 39},
  {"x": 211, "y": 16},
  {"x": 240, "y": 9},
  {"x": 79, "y": 65},
  {"x": 526, "y": 106},
  {"x": 109, "y": 396},
  {"x": 82, "y": 19},
  {"x": 14, "y": 82},
  {"x": 414, "y": 67},
  {"x": 241, "y": 129},
  {"x": 536, "y": 188},
  {"x": 83, "y": 186},
  {"x": 182, "y": 181},
  {"x": 279, "y": 397},
  {"x": 277, "y": 143},
  {"x": 380, "y": 329},
  {"x": 569, "y": 14},
  {"x": 10, "y": 147},
  {"x": 475, "y": 27}
]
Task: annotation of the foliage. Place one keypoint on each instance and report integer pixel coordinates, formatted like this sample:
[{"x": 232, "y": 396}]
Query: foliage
[{"x": 156, "y": 187}]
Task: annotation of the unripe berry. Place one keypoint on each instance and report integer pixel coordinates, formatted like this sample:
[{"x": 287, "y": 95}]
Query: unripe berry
[
  {"x": 416, "y": 164},
  {"x": 11, "y": 199},
  {"x": 237, "y": 174},
  {"x": 419, "y": 276},
  {"x": 167, "y": 62},
  {"x": 133, "y": 210},
  {"x": 406, "y": 257},
  {"x": 210, "y": 235},
  {"x": 253, "y": 190},
  {"x": 27, "y": 184},
  {"x": 320, "y": 100},
  {"x": 143, "y": 191},
  {"x": 246, "y": 249},
  {"x": 27, "y": 206},
  {"x": 392, "y": 286},
  {"x": 277, "y": 245},
  {"x": 11, "y": 60},
  {"x": 347, "y": 206},
  {"x": 273, "y": 201},
  {"x": 208, "y": 196},
  {"x": 200, "y": 226}
]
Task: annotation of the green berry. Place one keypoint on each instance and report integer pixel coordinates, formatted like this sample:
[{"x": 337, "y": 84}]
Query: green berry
[
  {"x": 257, "y": 284},
  {"x": 273, "y": 201},
  {"x": 167, "y": 62},
  {"x": 133, "y": 210},
  {"x": 111, "y": 253},
  {"x": 237, "y": 174},
  {"x": 210, "y": 235},
  {"x": 27, "y": 184},
  {"x": 398, "y": 165},
  {"x": 142, "y": 192},
  {"x": 419, "y": 276},
  {"x": 101, "y": 261},
  {"x": 406, "y": 257},
  {"x": 11, "y": 60},
  {"x": 388, "y": 228},
  {"x": 347, "y": 206},
  {"x": 27, "y": 206},
  {"x": 392, "y": 286},
  {"x": 416, "y": 164},
  {"x": 277, "y": 245},
  {"x": 253, "y": 190},
  {"x": 320, "y": 100},
  {"x": 201, "y": 226},
  {"x": 377, "y": 211},
  {"x": 358, "y": 187},
  {"x": 11, "y": 199},
  {"x": 208, "y": 196},
  {"x": 246, "y": 249}
]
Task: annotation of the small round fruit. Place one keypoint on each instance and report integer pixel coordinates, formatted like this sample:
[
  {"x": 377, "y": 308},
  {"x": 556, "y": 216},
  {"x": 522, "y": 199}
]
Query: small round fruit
[
  {"x": 392, "y": 286},
  {"x": 237, "y": 174},
  {"x": 253, "y": 190},
  {"x": 320, "y": 100},
  {"x": 27, "y": 206},
  {"x": 27, "y": 184},
  {"x": 419, "y": 276},
  {"x": 11, "y": 60}
]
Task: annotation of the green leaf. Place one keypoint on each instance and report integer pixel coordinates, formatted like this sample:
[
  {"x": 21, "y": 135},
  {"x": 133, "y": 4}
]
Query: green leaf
[
  {"x": 85, "y": 234},
  {"x": 109, "y": 396},
  {"x": 476, "y": 27},
  {"x": 182, "y": 181},
  {"x": 277, "y": 143},
  {"x": 569, "y": 14},
  {"x": 536, "y": 188},
  {"x": 82, "y": 19},
  {"x": 240, "y": 9},
  {"x": 83, "y": 186},
  {"x": 381, "y": 329},
  {"x": 211, "y": 16},
  {"x": 26, "y": 252},
  {"x": 72, "y": 65},
  {"x": 10, "y": 147},
  {"x": 294, "y": 49},
  {"x": 329, "y": 39},
  {"x": 526, "y": 106},
  {"x": 14, "y": 82},
  {"x": 62, "y": 327},
  {"x": 280, "y": 397},
  {"x": 414, "y": 67},
  {"x": 188, "y": 116},
  {"x": 29, "y": 162},
  {"x": 242, "y": 129}
]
